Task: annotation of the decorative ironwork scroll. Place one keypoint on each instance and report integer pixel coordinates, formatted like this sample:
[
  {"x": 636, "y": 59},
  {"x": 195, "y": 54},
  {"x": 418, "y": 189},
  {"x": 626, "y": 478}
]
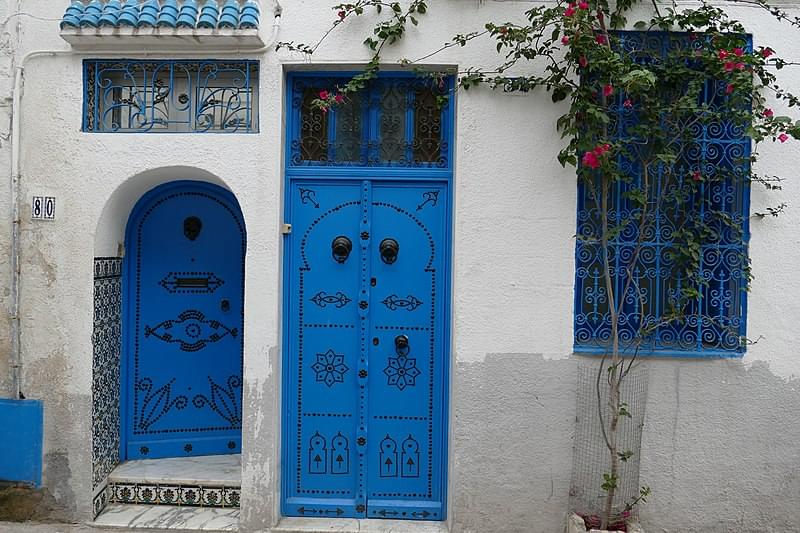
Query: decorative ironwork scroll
[
  {"x": 394, "y": 122},
  {"x": 170, "y": 96},
  {"x": 642, "y": 260}
]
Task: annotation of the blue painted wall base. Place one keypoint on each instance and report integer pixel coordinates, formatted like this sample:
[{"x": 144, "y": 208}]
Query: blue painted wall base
[{"x": 21, "y": 456}]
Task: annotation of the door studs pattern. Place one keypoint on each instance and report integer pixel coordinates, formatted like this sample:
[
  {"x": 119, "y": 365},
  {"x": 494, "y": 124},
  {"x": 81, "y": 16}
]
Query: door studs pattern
[
  {"x": 402, "y": 371},
  {"x": 314, "y": 445},
  {"x": 428, "y": 198},
  {"x": 330, "y": 368},
  {"x": 223, "y": 400},
  {"x": 318, "y": 455},
  {"x": 158, "y": 403},
  {"x": 409, "y": 303},
  {"x": 192, "y": 324},
  {"x": 309, "y": 196},
  {"x": 388, "y": 457},
  {"x": 191, "y": 282},
  {"x": 340, "y": 455},
  {"x": 323, "y": 299},
  {"x": 218, "y": 211}
]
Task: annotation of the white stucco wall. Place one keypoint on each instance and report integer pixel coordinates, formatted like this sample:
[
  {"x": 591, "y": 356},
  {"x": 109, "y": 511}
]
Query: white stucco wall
[{"x": 720, "y": 439}]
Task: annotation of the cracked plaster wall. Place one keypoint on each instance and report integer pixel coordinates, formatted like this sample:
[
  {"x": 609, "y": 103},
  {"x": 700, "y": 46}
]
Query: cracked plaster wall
[{"x": 720, "y": 439}]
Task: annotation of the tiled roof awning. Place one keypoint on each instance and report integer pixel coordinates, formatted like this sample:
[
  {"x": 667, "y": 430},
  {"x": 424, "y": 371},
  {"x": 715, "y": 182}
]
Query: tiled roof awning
[
  {"x": 162, "y": 24},
  {"x": 193, "y": 14}
]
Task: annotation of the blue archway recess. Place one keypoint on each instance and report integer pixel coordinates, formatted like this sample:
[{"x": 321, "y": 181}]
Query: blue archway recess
[{"x": 183, "y": 317}]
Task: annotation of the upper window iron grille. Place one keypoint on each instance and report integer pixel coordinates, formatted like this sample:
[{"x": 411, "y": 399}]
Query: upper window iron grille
[
  {"x": 714, "y": 323},
  {"x": 171, "y": 96},
  {"x": 394, "y": 122}
]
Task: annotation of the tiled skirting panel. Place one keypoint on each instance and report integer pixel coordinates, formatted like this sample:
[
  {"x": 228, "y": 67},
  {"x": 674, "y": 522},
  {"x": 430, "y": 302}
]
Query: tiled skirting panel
[
  {"x": 173, "y": 494},
  {"x": 105, "y": 373}
]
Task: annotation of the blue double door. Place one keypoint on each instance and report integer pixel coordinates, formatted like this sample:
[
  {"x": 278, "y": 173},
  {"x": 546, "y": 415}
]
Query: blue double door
[
  {"x": 366, "y": 357},
  {"x": 184, "y": 309}
]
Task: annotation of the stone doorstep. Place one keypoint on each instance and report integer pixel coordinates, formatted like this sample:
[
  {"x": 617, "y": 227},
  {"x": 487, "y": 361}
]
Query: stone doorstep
[
  {"x": 353, "y": 525},
  {"x": 167, "y": 518},
  {"x": 203, "y": 481}
]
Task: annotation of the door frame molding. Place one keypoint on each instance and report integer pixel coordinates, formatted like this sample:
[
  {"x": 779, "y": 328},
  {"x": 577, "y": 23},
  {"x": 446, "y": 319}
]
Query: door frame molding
[
  {"x": 374, "y": 174},
  {"x": 128, "y": 280}
]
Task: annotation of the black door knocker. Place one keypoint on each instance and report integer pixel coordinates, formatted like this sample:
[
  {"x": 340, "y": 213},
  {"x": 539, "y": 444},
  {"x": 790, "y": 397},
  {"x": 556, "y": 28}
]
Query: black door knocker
[
  {"x": 341, "y": 248},
  {"x": 401, "y": 344},
  {"x": 389, "y": 249}
]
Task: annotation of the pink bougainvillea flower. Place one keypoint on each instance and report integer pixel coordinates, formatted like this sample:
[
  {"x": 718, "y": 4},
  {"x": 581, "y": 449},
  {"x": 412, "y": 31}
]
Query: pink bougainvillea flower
[
  {"x": 606, "y": 147},
  {"x": 783, "y": 137},
  {"x": 323, "y": 95},
  {"x": 740, "y": 66},
  {"x": 583, "y": 61},
  {"x": 584, "y": 5},
  {"x": 590, "y": 160},
  {"x": 696, "y": 175},
  {"x": 342, "y": 15},
  {"x": 738, "y": 52},
  {"x": 565, "y": 40},
  {"x": 729, "y": 66},
  {"x": 627, "y": 104},
  {"x": 723, "y": 54},
  {"x": 339, "y": 98},
  {"x": 768, "y": 113},
  {"x": 600, "y": 38},
  {"x": 608, "y": 89},
  {"x": 570, "y": 10},
  {"x": 729, "y": 88},
  {"x": 766, "y": 52}
]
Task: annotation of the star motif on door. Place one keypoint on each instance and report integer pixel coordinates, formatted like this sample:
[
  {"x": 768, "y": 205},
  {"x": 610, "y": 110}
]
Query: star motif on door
[
  {"x": 402, "y": 371},
  {"x": 330, "y": 368}
]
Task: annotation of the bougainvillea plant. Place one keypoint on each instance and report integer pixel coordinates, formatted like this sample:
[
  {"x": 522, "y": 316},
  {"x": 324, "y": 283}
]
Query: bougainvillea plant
[{"x": 635, "y": 102}]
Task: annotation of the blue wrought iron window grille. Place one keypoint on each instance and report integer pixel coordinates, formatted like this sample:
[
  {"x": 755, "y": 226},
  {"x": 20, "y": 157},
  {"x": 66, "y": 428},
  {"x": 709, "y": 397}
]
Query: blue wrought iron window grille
[
  {"x": 135, "y": 96},
  {"x": 714, "y": 323},
  {"x": 397, "y": 121}
]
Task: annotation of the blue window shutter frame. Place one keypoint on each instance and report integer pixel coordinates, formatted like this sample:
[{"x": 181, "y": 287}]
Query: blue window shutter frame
[{"x": 724, "y": 299}]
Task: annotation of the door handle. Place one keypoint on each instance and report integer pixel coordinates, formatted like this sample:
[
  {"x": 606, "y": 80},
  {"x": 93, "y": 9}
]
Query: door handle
[
  {"x": 225, "y": 305},
  {"x": 389, "y": 249}
]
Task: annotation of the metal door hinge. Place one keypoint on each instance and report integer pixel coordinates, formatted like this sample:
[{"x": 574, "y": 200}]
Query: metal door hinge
[{"x": 286, "y": 229}]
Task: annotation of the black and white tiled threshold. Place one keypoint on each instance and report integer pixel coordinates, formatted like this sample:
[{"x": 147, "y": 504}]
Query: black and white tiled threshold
[{"x": 183, "y": 493}]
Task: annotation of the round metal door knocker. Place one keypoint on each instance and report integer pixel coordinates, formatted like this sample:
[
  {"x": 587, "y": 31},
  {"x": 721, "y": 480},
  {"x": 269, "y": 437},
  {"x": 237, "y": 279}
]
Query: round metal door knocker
[
  {"x": 389, "y": 249},
  {"x": 341, "y": 248}
]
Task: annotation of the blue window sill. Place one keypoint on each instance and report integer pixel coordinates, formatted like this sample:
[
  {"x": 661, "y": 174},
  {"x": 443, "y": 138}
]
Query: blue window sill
[{"x": 664, "y": 353}]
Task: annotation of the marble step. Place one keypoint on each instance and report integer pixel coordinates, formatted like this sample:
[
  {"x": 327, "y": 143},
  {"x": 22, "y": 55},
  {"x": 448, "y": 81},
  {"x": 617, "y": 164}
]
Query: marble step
[
  {"x": 207, "y": 470},
  {"x": 204, "y": 481},
  {"x": 167, "y": 518}
]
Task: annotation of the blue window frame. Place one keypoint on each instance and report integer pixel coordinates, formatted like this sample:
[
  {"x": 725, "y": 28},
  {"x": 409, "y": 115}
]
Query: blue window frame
[
  {"x": 713, "y": 324},
  {"x": 398, "y": 121},
  {"x": 155, "y": 96}
]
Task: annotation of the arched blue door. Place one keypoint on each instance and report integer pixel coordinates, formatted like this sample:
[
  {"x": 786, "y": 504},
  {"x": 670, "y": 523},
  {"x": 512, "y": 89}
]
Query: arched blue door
[{"x": 184, "y": 309}]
